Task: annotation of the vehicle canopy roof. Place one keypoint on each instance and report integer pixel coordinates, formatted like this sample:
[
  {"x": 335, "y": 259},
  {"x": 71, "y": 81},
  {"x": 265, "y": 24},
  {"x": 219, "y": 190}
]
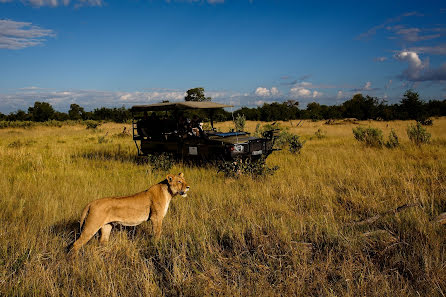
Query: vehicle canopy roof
[{"x": 178, "y": 106}]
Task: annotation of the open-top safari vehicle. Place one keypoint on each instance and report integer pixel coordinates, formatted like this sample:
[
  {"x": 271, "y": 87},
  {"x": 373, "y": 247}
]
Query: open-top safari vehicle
[{"x": 164, "y": 128}]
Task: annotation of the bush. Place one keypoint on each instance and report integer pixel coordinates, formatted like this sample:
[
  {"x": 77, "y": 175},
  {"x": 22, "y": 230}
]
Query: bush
[
  {"x": 372, "y": 137},
  {"x": 393, "y": 141},
  {"x": 240, "y": 122},
  {"x": 292, "y": 141},
  {"x": 426, "y": 122},
  {"x": 319, "y": 134},
  {"x": 418, "y": 134},
  {"x": 161, "y": 162},
  {"x": 92, "y": 124},
  {"x": 16, "y": 124},
  {"x": 252, "y": 168},
  {"x": 257, "y": 131}
]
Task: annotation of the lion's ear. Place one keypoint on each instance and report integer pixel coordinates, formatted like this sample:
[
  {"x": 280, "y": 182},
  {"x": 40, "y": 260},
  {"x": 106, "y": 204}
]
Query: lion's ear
[
  {"x": 169, "y": 177},
  {"x": 181, "y": 175}
]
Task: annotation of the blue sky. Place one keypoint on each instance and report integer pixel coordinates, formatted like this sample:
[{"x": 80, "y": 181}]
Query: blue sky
[{"x": 245, "y": 52}]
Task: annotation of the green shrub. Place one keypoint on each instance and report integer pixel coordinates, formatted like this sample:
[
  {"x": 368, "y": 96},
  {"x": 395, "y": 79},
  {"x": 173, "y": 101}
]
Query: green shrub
[
  {"x": 257, "y": 131},
  {"x": 426, "y": 122},
  {"x": 292, "y": 141},
  {"x": 16, "y": 124},
  {"x": 240, "y": 122},
  {"x": 418, "y": 134},
  {"x": 372, "y": 137},
  {"x": 393, "y": 141},
  {"x": 161, "y": 162},
  {"x": 319, "y": 134},
  {"x": 92, "y": 124},
  {"x": 249, "y": 167}
]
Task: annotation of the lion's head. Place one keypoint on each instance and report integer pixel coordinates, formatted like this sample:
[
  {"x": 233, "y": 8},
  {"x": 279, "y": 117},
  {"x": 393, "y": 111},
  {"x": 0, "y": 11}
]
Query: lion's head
[{"x": 177, "y": 184}]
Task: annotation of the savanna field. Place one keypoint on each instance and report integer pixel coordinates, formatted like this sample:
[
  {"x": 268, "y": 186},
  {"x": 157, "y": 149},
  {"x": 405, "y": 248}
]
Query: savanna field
[{"x": 325, "y": 224}]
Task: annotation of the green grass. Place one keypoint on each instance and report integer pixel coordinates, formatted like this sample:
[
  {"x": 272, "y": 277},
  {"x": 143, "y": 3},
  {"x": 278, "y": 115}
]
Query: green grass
[{"x": 288, "y": 234}]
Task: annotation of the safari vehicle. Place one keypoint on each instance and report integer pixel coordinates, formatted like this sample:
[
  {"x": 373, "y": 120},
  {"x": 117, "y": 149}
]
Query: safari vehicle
[{"x": 166, "y": 130}]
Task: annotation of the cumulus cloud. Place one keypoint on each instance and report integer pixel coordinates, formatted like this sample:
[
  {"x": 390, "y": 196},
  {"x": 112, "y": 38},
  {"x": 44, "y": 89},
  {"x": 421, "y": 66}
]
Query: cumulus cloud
[
  {"x": 265, "y": 92},
  {"x": 56, "y": 3},
  {"x": 18, "y": 35},
  {"x": 90, "y": 99},
  {"x": 418, "y": 70},
  {"x": 301, "y": 92}
]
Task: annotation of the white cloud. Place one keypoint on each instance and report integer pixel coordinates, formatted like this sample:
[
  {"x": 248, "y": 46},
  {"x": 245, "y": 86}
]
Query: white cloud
[
  {"x": 301, "y": 92},
  {"x": 418, "y": 70},
  {"x": 339, "y": 95},
  {"x": 89, "y": 99},
  {"x": 274, "y": 91},
  {"x": 317, "y": 94},
  {"x": 18, "y": 35},
  {"x": 265, "y": 92},
  {"x": 367, "y": 86}
]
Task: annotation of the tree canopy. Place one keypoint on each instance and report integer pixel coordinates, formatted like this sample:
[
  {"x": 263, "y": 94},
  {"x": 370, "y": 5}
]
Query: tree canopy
[{"x": 196, "y": 94}]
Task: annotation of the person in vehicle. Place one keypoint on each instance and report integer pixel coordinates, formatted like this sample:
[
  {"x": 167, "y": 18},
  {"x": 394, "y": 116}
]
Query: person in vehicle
[
  {"x": 197, "y": 127},
  {"x": 142, "y": 125}
]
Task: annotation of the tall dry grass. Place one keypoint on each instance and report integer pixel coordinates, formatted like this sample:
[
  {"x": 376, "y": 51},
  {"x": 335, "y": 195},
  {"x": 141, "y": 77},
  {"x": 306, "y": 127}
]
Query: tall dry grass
[{"x": 289, "y": 234}]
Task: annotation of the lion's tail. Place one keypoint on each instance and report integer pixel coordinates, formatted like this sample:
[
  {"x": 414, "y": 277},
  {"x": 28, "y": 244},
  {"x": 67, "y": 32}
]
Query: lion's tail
[{"x": 84, "y": 215}]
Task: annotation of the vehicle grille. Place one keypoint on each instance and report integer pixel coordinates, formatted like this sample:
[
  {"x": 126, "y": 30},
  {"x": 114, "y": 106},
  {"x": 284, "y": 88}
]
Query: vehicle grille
[{"x": 255, "y": 146}]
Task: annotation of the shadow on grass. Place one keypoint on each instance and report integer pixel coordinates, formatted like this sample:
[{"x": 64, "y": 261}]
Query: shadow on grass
[
  {"x": 159, "y": 161},
  {"x": 69, "y": 231},
  {"x": 103, "y": 155}
]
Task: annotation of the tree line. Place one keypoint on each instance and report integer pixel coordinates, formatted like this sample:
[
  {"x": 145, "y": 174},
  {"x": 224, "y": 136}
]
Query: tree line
[
  {"x": 411, "y": 107},
  {"x": 360, "y": 107}
]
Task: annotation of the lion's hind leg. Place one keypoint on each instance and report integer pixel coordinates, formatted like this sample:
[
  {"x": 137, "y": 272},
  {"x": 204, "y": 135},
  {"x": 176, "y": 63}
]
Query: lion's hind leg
[
  {"x": 90, "y": 228},
  {"x": 105, "y": 233}
]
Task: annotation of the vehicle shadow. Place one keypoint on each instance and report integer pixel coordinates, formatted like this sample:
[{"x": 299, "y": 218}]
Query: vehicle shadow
[{"x": 158, "y": 161}]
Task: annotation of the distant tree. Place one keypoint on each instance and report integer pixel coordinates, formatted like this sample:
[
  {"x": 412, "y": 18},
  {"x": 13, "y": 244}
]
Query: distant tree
[
  {"x": 2, "y": 117},
  {"x": 41, "y": 111},
  {"x": 411, "y": 106},
  {"x": 76, "y": 112},
  {"x": 19, "y": 115},
  {"x": 196, "y": 94},
  {"x": 61, "y": 116},
  {"x": 361, "y": 107},
  {"x": 436, "y": 108}
]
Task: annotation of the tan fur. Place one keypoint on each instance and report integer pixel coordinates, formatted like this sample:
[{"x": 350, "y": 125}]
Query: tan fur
[{"x": 132, "y": 210}]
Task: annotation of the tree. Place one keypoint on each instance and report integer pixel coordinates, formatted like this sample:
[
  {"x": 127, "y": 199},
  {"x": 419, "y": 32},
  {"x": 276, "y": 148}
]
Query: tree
[
  {"x": 196, "y": 94},
  {"x": 361, "y": 107},
  {"x": 41, "y": 111},
  {"x": 411, "y": 106},
  {"x": 76, "y": 112}
]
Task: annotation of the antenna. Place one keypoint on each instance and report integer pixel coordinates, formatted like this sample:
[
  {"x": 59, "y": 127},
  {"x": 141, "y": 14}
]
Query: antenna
[{"x": 233, "y": 120}]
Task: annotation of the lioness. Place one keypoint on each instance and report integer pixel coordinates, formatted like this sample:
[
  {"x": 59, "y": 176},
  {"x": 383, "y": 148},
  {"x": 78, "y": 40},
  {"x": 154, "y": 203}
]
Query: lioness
[{"x": 130, "y": 210}]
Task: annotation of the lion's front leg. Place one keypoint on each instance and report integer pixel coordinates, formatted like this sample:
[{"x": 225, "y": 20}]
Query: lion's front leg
[{"x": 157, "y": 224}]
